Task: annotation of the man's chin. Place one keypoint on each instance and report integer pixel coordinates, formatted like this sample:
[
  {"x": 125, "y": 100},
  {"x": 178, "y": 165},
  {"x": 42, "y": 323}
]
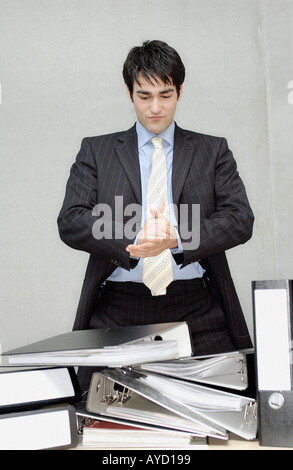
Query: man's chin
[{"x": 156, "y": 126}]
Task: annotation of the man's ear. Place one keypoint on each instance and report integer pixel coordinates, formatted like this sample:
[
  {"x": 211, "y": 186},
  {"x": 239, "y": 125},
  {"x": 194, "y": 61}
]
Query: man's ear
[
  {"x": 129, "y": 94},
  {"x": 180, "y": 92}
]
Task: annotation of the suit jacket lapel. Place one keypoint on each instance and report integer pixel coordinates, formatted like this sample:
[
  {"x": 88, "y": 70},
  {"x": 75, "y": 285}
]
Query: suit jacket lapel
[
  {"x": 184, "y": 151},
  {"x": 127, "y": 152}
]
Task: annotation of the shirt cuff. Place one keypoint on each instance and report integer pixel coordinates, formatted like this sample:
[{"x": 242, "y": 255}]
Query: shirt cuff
[
  {"x": 179, "y": 248},
  {"x": 135, "y": 243}
]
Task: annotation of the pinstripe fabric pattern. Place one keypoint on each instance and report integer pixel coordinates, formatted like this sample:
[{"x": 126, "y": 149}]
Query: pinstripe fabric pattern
[
  {"x": 122, "y": 308},
  {"x": 158, "y": 270},
  {"x": 204, "y": 172},
  {"x": 207, "y": 322}
]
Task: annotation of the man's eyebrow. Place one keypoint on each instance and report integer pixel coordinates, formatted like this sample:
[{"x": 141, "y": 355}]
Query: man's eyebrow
[
  {"x": 163, "y": 92},
  {"x": 168, "y": 90}
]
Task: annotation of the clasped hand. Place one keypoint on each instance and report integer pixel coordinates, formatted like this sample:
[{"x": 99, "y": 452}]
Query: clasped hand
[{"x": 157, "y": 235}]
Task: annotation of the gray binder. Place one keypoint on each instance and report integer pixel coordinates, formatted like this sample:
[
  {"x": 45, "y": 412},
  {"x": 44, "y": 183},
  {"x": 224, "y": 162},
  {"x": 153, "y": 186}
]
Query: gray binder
[
  {"x": 111, "y": 347},
  {"x": 272, "y": 305},
  {"x": 162, "y": 401},
  {"x": 228, "y": 370}
]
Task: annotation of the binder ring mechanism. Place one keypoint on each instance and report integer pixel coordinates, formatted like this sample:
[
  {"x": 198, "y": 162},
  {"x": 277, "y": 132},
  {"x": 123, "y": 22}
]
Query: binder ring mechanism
[
  {"x": 113, "y": 392},
  {"x": 250, "y": 411},
  {"x": 243, "y": 370}
]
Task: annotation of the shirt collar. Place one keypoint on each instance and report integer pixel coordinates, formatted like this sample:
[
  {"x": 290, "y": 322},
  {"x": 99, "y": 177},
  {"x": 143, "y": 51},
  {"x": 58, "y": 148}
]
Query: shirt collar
[{"x": 144, "y": 136}]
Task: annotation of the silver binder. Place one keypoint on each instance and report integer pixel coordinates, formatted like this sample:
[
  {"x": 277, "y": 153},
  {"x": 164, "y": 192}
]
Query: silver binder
[
  {"x": 110, "y": 347},
  {"x": 137, "y": 397},
  {"x": 227, "y": 370}
]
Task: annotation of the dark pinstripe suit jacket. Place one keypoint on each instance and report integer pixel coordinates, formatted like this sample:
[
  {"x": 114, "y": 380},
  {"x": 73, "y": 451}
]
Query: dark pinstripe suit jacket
[{"x": 204, "y": 172}]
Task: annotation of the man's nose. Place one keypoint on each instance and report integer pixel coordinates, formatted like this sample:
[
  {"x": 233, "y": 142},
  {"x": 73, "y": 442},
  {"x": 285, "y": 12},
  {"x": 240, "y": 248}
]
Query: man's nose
[{"x": 155, "y": 106}]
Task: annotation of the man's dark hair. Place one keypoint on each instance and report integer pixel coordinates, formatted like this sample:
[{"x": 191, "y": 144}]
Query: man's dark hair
[{"x": 153, "y": 60}]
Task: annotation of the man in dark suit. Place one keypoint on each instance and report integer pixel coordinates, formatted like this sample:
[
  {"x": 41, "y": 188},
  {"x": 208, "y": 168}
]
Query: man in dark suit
[{"x": 107, "y": 212}]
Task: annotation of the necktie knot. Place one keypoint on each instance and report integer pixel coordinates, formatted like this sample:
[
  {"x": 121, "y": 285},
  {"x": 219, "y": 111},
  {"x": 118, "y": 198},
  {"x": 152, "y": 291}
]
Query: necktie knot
[{"x": 157, "y": 142}]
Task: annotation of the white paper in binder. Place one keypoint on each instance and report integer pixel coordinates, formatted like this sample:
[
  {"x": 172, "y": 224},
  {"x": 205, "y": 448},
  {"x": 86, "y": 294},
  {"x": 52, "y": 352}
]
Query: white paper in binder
[{"x": 224, "y": 370}]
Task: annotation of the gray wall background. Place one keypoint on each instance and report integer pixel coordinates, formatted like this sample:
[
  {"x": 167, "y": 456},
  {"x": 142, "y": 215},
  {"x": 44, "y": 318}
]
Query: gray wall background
[{"x": 60, "y": 74}]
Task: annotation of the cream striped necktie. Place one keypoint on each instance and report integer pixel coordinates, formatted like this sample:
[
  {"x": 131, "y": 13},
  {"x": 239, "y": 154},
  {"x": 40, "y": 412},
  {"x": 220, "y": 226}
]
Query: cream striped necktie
[{"x": 158, "y": 270}]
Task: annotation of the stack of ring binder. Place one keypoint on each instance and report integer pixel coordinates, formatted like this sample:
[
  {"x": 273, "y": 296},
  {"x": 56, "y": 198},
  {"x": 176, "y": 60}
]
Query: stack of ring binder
[
  {"x": 147, "y": 378},
  {"x": 136, "y": 396}
]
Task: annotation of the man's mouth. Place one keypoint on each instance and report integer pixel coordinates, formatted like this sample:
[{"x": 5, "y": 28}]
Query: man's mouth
[{"x": 155, "y": 118}]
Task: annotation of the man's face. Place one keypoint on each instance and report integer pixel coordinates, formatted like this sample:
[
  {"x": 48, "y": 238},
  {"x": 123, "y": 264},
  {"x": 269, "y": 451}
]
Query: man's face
[{"x": 155, "y": 104}]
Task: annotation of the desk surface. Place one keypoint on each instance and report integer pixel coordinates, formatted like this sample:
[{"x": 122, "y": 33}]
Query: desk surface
[{"x": 236, "y": 443}]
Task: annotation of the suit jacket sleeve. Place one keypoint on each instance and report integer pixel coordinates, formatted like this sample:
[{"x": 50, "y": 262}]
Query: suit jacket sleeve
[
  {"x": 77, "y": 216},
  {"x": 230, "y": 221}
]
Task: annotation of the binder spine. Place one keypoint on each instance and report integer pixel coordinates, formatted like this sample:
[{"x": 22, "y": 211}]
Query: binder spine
[
  {"x": 272, "y": 306},
  {"x": 33, "y": 405}
]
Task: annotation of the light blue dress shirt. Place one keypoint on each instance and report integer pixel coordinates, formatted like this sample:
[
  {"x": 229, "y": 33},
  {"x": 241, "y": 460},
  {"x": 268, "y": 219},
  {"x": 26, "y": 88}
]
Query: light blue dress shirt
[{"x": 145, "y": 152}]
